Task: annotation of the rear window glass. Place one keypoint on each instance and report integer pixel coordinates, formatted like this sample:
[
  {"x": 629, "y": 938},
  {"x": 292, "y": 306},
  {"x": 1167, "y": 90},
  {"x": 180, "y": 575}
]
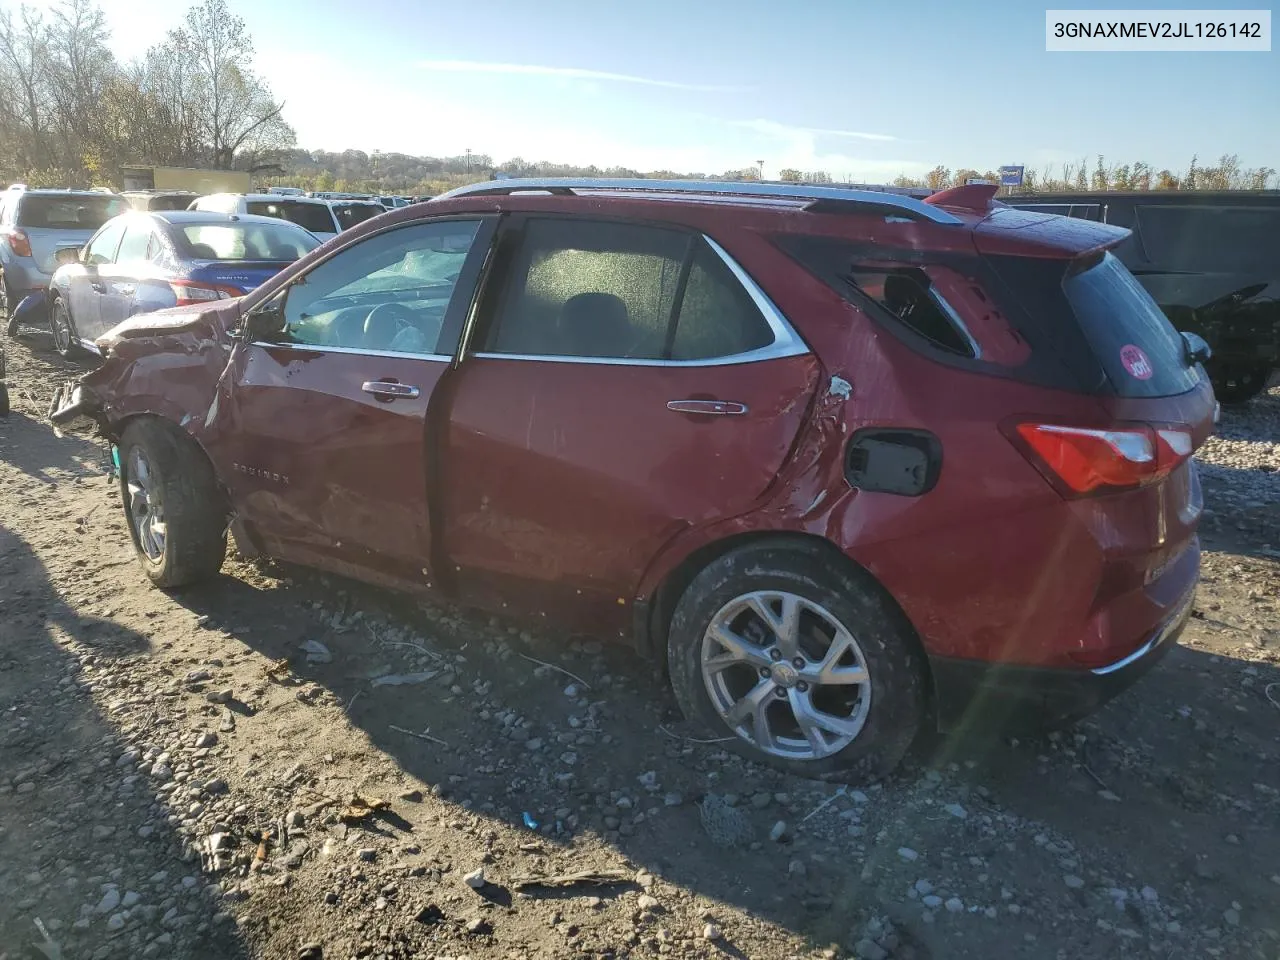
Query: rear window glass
[
  {"x": 38, "y": 211},
  {"x": 310, "y": 216},
  {"x": 246, "y": 241},
  {"x": 1211, "y": 239},
  {"x": 1131, "y": 339},
  {"x": 349, "y": 214},
  {"x": 1136, "y": 344}
]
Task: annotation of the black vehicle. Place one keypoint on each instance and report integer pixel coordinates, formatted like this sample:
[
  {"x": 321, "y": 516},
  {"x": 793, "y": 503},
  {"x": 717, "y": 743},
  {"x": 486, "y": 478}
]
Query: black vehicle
[{"x": 1212, "y": 262}]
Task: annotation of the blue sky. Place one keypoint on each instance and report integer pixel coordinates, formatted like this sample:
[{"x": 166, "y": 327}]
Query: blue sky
[{"x": 865, "y": 91}]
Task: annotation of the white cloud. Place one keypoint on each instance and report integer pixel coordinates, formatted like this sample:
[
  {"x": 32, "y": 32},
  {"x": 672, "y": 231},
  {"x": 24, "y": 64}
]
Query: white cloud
[
  {"x": 566, "y": 73},
  {"x": 782, "y": 131}
]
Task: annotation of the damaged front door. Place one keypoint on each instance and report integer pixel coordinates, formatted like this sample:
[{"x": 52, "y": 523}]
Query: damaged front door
[{"x": 326, "y": 445}]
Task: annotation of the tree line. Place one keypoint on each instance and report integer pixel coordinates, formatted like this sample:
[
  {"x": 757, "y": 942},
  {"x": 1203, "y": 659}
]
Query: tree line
[
  {"x": 72, "y": 114},
  {"x": 1226, "y": 174}
]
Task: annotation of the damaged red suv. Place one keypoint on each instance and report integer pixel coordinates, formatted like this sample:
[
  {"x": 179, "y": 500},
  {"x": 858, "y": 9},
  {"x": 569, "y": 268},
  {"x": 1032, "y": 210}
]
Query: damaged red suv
[{"x": 847, "y": 462}]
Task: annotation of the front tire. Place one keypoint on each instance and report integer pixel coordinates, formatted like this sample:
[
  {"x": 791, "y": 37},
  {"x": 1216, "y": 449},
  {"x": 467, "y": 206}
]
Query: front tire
[
  {"x": 62, "y": 327},
  {"x": 176, "y": 513},
  {"x": 804, "y": 664}
]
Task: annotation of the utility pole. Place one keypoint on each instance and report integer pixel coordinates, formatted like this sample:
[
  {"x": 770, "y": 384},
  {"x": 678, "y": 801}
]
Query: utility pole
[{"x": 760, "y": 164}]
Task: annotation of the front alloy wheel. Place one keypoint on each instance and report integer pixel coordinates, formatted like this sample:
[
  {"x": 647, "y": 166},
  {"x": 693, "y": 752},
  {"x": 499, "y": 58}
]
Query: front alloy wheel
[
  {"x": 146, "y": 512},
  {"x": 786, "y": 675}
]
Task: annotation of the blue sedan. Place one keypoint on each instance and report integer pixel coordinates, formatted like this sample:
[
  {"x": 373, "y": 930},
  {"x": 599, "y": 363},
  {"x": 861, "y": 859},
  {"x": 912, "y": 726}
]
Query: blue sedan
[{"x": 140, "y": 262}]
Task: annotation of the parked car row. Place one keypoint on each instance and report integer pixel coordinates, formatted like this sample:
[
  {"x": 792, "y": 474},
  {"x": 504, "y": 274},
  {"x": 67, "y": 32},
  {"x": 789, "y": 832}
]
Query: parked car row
[
  {"x": 84, "y": 260},
  {"x": 845, "y": 463}
]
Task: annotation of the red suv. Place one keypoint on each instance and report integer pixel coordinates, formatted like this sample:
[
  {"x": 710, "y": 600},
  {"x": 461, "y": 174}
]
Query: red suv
[{"x": 848, "y": 461}]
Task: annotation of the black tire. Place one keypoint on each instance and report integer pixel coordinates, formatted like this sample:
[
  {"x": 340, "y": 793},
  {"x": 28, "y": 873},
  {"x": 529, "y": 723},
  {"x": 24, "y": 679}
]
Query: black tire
[
  {"x": 62, "y": 327},
  {"x": 888, "y": 646},
  {"x": 181, "y": 482},
  {"x": 1240, "y": 384}
]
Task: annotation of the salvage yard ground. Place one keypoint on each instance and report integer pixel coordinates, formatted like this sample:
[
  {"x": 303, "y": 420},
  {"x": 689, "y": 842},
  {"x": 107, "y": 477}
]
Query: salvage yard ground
[{"x": 203, "y": 775}]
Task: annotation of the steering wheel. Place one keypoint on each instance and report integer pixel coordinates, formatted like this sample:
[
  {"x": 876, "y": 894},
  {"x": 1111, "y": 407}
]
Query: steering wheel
[{"x": 384, "y": 322}]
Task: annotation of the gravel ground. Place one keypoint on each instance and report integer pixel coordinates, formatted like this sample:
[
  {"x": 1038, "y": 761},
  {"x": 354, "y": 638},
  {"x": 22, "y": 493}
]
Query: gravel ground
[{"x": 283, "y": 765}]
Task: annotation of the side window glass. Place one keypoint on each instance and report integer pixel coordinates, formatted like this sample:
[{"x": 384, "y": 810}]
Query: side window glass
[
  {"x": 717, "y": 316},
  {"x": 591, "y": 289},
  {"x": 622, "y": 291},
  {"x": 102, "y": 248},
  {"x": 910, "y": 296},
  {"x": 155, "y": 249},
  {"x": 133, "y": 248},
  {"x": 387, "y": 293}
]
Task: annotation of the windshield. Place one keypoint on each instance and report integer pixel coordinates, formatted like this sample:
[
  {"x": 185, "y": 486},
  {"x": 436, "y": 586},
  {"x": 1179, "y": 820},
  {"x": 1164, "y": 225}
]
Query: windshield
[
  {"x": 310, "y": 216},
  {"x": 42, "y": 211},
  {"x": 246, "y": 241},
  {"x": 349, "y": 214}
]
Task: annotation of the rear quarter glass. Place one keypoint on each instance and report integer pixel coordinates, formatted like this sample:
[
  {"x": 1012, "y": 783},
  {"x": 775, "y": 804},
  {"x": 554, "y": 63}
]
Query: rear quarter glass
[{"x": 1138, "y": 349}]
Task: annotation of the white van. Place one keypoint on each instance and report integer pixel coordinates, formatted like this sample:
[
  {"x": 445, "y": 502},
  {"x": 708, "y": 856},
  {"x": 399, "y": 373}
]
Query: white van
[{"x": 308, "y": 213}]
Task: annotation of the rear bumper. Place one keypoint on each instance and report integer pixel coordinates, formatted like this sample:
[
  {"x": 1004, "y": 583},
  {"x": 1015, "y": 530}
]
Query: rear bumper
[
  {"x": 24, "y": 278},
  {"x": 975, "y": 693}
]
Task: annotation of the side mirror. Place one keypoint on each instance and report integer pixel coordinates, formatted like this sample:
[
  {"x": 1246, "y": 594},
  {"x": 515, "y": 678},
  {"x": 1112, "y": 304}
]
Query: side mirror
[
  {"x": 1195, "y": 348},
  {"x": 265, "y": 322},
  {"x": 67, "y": 255}
]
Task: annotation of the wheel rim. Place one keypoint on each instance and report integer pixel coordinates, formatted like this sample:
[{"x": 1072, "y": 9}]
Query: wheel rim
[
  {"x": 145, "y": 511},
  {"x": 61, "y": 328},
  {"x": 786, "y": 675}
]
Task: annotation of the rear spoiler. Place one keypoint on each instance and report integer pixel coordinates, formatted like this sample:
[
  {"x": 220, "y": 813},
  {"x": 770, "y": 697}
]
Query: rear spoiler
[{"x": 974, "y": 197}]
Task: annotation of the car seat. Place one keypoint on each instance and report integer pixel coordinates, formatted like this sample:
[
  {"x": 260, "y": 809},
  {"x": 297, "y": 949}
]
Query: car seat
[{"x": 595, "y": 325}]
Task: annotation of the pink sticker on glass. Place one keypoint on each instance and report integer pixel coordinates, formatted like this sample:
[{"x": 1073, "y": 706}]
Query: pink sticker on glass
[{"x": 1136, "y": 362}]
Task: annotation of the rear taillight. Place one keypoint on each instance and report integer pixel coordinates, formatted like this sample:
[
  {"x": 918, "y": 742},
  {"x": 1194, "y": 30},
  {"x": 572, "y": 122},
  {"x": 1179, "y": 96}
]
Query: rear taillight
[
  {"x": 188, "y": 292},
  {"x": 1086, "y": 461},
  {"x": 19, "y": 243}
]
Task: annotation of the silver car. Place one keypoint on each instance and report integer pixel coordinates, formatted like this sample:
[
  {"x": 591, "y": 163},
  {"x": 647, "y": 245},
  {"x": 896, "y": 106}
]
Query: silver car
[{"x": 34, "y": 225}]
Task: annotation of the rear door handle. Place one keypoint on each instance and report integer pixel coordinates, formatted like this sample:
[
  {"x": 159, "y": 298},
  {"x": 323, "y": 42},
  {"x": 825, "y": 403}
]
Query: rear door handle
[
  {"x": 386, "y": 390},
  {"x": 721, "y": 408}
]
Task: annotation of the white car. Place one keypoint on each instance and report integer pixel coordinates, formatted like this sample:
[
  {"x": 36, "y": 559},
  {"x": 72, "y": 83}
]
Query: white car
[{"x": 309, "y": 213}]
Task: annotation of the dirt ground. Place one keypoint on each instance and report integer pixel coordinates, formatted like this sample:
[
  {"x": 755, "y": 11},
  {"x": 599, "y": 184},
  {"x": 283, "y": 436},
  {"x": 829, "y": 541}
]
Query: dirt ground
[{"x": 181, "y": 778}]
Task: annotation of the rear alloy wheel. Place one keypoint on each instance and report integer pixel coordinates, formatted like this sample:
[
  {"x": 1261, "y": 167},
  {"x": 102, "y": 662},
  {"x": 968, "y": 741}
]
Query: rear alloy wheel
[
  {"x": 804, "y": 665},
  {"x": 1241, "y": 383},
  {"x": 62, "y": 328},
  {"x": 799, "y": 688}
]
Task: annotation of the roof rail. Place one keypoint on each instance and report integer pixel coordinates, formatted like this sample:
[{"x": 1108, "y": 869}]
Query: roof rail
[{"x": 820, "y": 199}]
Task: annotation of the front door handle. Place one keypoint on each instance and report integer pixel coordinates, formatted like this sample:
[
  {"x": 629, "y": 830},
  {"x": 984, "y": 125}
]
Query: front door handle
[
  {"x": 386, "y": 390},
  {"x": 722, "y": 408}
]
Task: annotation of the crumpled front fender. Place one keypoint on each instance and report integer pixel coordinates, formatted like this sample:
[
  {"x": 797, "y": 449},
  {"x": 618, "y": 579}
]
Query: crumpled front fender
[{"x": 170, "y": 368}]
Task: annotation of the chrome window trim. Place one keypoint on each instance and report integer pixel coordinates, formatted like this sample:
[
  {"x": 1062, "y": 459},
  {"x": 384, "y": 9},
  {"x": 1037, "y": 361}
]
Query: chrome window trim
[
  {"x": 786, "y": 342},
  {"x": 356, "y": 351}
]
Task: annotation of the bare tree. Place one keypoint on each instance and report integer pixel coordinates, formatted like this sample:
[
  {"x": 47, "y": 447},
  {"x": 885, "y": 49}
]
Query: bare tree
[{"x": 232, "y": 107}]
